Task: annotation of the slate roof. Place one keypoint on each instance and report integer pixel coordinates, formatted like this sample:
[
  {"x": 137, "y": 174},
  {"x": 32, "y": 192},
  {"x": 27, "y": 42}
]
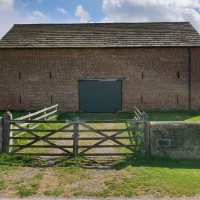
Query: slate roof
[{"x": 160, "y": 34}]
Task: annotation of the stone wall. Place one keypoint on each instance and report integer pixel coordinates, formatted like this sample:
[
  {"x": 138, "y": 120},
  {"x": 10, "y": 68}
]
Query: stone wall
[
  {"x": 175, "y": 139},
  {"x": 156, "y": 78}
]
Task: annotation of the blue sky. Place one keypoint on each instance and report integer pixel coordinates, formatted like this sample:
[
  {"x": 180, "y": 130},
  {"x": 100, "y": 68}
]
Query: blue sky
[{"x": 97, "y": 11}]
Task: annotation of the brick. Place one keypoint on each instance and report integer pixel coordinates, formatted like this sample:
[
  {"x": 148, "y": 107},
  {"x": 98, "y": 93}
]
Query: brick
[{"x": 29, "y": 77}]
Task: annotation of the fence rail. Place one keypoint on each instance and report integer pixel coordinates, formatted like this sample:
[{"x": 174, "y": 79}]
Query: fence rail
[
  {"x": 39, "y": 112},
  {"x": 79, "y": 133},
  {"x": 47, "y": 114},
  {"x": 73, "y": 137},
  {"x": 137, "y": 112}
]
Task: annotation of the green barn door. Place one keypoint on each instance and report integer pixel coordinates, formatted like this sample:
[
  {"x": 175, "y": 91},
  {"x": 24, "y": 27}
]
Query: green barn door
[{"x": 100, "y": 96}]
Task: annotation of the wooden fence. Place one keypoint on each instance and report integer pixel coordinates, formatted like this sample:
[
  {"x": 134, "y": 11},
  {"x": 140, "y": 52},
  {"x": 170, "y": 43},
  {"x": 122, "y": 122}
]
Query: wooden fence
[
  {"x": 46, "y": 114},
  {"x": 132, "y": 137},
  {"x": 5, "y": 128}
]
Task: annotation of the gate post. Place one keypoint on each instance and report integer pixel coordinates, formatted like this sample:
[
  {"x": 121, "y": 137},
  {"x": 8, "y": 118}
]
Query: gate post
[
  {"x": 76, "y": 135},
  {"x": 6, "y": 132},
  {"x": 1, "y": 134},
  {"x": 144, "y": 133}
]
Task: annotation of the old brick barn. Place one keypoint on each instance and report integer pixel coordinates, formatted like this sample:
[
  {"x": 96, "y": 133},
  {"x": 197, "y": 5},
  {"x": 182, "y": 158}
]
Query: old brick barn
[{"x": 100, "y": 67}]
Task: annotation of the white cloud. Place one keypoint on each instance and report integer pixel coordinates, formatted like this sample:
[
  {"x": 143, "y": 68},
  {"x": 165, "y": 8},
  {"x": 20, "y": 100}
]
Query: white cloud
[
  {"x": 25, "y": 4},
  {"x": 40, "y": 1},
  {"x": 62, "y": 10},
  {"x": 82, "y": 14},
  {"x": 152, "y": 11},
  {"x": 37, "y": 16},
  {"x": 6, "y": 4}
]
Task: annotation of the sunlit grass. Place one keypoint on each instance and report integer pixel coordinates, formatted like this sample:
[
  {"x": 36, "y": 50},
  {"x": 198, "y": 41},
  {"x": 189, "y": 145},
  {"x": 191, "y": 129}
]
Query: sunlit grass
[
  {"x": 174, "y": 116},
  {"x": 125, "y": 176}
]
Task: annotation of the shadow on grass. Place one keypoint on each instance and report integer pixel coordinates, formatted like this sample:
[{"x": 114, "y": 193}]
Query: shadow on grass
[{"x": 101, "y": 163}]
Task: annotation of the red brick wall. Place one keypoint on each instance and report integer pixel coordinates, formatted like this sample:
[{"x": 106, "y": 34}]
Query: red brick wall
[
  {"x": 152, "y": 74},
  {"x": 195, "y": 68}
]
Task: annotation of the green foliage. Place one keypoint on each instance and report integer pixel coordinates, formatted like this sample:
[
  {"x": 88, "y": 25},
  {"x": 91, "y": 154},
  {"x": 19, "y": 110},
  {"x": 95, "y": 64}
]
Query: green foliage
[
  {"x": 104, "y": 193},
  {"x": 2, "y": 184},
  {"x": 23, "y": 191},
  {"x": 55, "y": 192},
  {"x": 174, "y": 116},
  {"x": 10, "y": 160},
  {"x": 127, "y": 177},
  {"x": 77, "y": 194},
  {"x": 39, "y": 176}
]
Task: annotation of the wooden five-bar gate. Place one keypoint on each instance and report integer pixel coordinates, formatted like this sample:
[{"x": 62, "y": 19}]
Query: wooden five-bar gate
[{"x": 76, "y": 137}]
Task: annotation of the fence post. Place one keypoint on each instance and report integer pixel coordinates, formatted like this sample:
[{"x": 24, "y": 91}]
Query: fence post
[
  {"x": 75, "y": 139},
  {"x": 45, "y": 112},
  {"x": 28, "y": 125},
  {"x": 145, "y": 132},
  {"x": 1, "y": 133},
  {"x": 6, "y": 132}
]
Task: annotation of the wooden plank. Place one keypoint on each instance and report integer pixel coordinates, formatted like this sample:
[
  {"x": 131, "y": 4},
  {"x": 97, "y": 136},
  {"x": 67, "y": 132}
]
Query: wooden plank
[
  {"x": 1, "y": 133},
  {"x": 75, "y": 137},
  {"x": 43, "y": 146},
  {"x": 91, "y": 147},
  {"x": 44, "y": 154},
  {"x": 107, "y": 146},
  {"x": 137, "y": 112},
  {"x": 69, "y": 138},
  {"x": 80, "y": 122},
  {"x": 112, "y": 137},
  {"x": 38, "y": 118},
  {"x": 71, "y": 146},
  {"x": 36, "y": 113},
  {"x": 6, "y": 132},
  {"x": 46, "y": 115},
  {"x": 75, "y": 124},
  {"x": 32, "y": 130},
  {"x": 25, "y": 130},
  {"x": 105, "y": 139},
  {"x": 33, "y": 138},
  {"x": 57, "y": 147},
  {"x": 94, "y": 130},
  {"x": 41, "y": 138},
  {"x": 113, "y": 121},
  {"x": 124, "y": 130},
  {"x": 109, "y": 130},
  {"x": 118, "y": 138},
  {"x": 22, "y": 133},
  {"x": 108, "y": 154},
  {"x": 145, "y": 133},
  {"x": 44, "y": 131}
]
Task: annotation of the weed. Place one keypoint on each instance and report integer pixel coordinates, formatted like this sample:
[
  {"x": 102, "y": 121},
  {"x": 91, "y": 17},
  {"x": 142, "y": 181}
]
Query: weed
[
  {"x": 11, "y": 160},
  {"x": 77, "y": 194},
  {"x": 39, "y": 176},
  {"x": 2, "y": 184},
  {"x": 25, "y": 192},
  {"x": 104, "y": 193},
  {"x": 55, "y": 192}
]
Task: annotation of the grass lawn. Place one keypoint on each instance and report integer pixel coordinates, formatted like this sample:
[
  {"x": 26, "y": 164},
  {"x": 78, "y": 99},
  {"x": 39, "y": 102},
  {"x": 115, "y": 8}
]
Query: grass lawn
[
  {"x": 98, "y": 177},
  {"x": 126, "y": 176},
  {"x": 15, "y": 114},
  {"x": 174, "y": 116},
  {"x": 153, "y": 115}
]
